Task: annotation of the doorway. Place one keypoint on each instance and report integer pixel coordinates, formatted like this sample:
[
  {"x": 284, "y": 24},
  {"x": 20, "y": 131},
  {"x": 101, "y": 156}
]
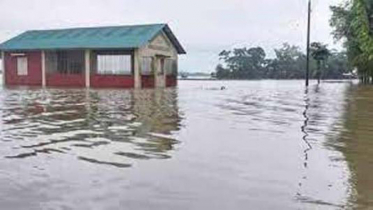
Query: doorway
[{"x": 160, "y": 76}]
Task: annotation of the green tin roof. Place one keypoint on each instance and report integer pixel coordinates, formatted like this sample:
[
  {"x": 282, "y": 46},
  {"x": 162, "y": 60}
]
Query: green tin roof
[{"x": 115, "y": 37}]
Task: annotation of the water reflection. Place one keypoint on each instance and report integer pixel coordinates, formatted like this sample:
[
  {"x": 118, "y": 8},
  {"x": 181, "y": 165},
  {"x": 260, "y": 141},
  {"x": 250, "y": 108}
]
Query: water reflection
[
  {"x": 304, "y": 128},
  {"x": 111, "y": 127},
  {"x": 250, "y": 146},
  {"x": 305, "y": 140},
  {"x": 323, "y": 109},
  {"x": 356, "y": 143}
]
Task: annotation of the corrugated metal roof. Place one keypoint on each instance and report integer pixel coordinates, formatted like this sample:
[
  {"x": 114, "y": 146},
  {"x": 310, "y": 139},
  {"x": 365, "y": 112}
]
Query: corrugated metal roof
[{"x": 114, "y": 37}]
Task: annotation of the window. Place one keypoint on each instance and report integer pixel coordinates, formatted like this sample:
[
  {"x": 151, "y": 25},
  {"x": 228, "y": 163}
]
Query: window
[
  {"x": 22, "y": 66},
  {"x": 114, "y": 64},
  {"x": 147, "y": 66},
  {"x": 70, "y": 62},
  {"x": 170, "y": 67},
  {"x": 65, "y": 62}
]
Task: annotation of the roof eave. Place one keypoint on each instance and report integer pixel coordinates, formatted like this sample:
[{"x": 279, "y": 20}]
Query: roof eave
[
  {"x": 67, "y": 48},
  {"x": 180, "y": 49}
]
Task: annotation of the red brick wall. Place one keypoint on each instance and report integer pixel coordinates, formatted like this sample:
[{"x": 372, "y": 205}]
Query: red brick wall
[
  {"x": 34, "y": 76},
  {"x": 147, "y": 81},
  {"x": 112, "y": 81},
  {"x": 65, "y": 80},
  {"x": 171, "y": 81}
]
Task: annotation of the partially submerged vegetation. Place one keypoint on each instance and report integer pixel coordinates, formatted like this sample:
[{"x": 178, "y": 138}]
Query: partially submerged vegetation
[
  {"x": 320, "y": 54},
  {"x": 288, "y": 63},
  {"x": 352, "y": 23}
]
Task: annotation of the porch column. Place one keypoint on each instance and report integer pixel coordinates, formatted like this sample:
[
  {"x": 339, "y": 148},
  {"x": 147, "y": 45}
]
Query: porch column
[
  {"x": 43, "y": 71},
  {"x": 136, "y": 67},
  {"x": 87, "y": 68},
  {"x": 3, "y": 65}
]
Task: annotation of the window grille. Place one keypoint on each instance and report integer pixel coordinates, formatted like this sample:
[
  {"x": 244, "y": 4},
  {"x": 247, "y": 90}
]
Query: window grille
[{"x": 65, "y": 62}]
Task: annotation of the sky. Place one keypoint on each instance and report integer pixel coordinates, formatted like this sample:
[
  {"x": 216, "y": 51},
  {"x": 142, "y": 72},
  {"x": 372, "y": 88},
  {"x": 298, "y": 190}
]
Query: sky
[{"x": 204, "y": 27}]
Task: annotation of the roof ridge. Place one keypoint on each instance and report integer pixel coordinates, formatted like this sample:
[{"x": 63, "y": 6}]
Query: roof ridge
[{"x": 98, "y": 27}]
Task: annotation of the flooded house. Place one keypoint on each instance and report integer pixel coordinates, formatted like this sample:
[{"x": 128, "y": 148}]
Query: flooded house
[{"x": 137, "y": 56}]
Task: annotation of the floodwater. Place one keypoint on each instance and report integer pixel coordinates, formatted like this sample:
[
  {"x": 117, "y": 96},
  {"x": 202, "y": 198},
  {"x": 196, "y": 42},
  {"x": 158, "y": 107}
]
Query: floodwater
[{"x": 253, "y": 145}]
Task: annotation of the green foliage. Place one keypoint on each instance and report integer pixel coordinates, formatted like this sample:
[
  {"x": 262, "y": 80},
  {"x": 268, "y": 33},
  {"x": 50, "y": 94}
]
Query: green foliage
[
  {"x": 320, "y": 54},
  {"x": 289, "y": 63},
  {"x": 243, "y": 62},
  {"x": 221, "y": 72},
  {"x": 341, "y": 20},
  {"x": 352, "y": 23},
  {"x": 319, "y": 51},
  {"x": 336, "y": 65}
]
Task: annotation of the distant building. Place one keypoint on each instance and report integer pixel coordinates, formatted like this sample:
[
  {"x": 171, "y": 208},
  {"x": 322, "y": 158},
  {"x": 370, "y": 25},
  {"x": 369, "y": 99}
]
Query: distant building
[
  {"x": 350, "y": 76},
  {"x": 196, "y": 76},
  {"x": 119, "y": 56}
]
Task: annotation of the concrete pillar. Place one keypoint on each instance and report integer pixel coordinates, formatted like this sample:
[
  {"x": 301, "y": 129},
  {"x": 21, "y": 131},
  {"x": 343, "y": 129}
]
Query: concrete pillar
[
  {"x": 87, "y": 68},
  {"x": 164, "y": 74},
  {"x": 156, "y": 71},
  {"x": 136, "y": 65},
  {"x": 160, "y": 73},
  {"x": 3, "y": 65},
  {"x": 43, "y": 70}
]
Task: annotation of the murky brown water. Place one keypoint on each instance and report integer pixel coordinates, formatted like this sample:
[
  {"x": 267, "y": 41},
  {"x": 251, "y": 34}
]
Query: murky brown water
[{"x": 255, "y": 145}]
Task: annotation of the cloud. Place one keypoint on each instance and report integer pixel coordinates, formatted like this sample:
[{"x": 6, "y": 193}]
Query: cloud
[{"x": 205, "y": 27}]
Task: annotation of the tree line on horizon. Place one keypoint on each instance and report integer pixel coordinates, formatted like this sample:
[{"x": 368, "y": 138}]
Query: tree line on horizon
[{"x": 289, "y": 62}]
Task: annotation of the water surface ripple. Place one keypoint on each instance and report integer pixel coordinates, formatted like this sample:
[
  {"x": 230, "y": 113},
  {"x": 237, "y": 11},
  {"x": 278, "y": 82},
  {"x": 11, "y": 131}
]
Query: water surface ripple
[{"x": 254, "y": 145}]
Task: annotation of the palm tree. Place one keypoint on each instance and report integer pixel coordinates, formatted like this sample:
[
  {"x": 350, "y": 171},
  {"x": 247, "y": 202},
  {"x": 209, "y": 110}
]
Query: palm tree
[{"x": 320, "y": 53}]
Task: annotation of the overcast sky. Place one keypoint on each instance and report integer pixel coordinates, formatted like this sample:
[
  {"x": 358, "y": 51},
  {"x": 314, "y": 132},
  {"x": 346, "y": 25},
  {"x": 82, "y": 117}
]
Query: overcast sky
[{"x": 204, "y": 27}]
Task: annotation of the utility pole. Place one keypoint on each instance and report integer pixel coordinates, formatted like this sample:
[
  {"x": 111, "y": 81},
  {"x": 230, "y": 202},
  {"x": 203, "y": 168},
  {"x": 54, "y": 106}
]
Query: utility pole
[{"x": 308, "y": 43}]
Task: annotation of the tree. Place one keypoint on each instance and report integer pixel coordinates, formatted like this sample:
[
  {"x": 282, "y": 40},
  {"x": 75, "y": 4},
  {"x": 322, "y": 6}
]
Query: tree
[
  {"x": 243, "y": 63},
  {"x": 352, "y": 23},
  {"x": 222, "y": 73},
  {"x": 337, "y": 65},
  {"x": 289, "y": 63},
  {"x": 320, "y": 54}
]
